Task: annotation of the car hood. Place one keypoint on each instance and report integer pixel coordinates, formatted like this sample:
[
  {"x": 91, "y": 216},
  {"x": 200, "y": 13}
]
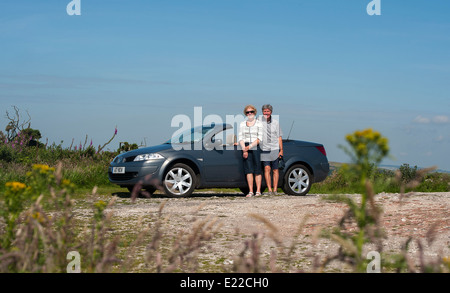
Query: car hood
[
  {"x": 301, "y": 143},
  {"x": 148, "y": 150}
]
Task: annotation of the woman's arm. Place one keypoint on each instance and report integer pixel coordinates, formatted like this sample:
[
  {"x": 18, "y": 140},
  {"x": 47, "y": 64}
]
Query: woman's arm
[
  {"x": 259, "y": 134},
  {"x": 241, "y": 141}
]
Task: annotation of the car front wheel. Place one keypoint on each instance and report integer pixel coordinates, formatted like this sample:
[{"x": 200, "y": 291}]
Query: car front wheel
[
  {"x": 179, "y": 181},
  {"x": 147, "y": 190},
  {"x": 297, "y": 180}
]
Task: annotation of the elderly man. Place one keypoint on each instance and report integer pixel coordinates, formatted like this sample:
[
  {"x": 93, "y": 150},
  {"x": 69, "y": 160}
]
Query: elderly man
[{"x": 271, "y": 147}]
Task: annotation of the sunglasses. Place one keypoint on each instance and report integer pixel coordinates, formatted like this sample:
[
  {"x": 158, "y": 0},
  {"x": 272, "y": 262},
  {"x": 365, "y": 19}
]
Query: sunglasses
[{"x": 250, "y": 112}]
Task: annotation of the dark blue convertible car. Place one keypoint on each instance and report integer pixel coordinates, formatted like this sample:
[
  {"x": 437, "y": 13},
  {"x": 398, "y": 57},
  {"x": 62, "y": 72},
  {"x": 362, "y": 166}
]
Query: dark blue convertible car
[{"x": 208, "y": 157}]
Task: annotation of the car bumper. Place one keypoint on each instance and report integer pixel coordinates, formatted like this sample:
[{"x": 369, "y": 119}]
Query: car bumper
[
  {"x": 144, "y": 173},
  {"x": 322, "y": 171}
]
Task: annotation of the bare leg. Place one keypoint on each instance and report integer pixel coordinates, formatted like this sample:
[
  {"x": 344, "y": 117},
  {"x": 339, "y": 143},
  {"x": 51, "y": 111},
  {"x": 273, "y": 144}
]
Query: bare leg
[
  {"x": 250, "y": 182},
  {"x": 276, "y": 176},
  {"x": 258, "y": 179},
  {"x": 268, "y": 179}
]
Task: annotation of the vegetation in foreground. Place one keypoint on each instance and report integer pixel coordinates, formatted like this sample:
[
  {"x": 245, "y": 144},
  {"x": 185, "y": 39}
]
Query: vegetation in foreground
[
  {"x": 86, "y": 166},
  {"x": 39, "y": 227}
]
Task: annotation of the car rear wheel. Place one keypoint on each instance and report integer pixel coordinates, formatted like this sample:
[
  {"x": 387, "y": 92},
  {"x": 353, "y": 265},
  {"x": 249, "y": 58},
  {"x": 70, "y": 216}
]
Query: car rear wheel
[
  {"x": 179, "y": 181},
  {"x": 297, "y": 180}
]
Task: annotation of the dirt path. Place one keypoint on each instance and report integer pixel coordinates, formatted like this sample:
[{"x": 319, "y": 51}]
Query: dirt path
[{"x": 420, "y": 216}]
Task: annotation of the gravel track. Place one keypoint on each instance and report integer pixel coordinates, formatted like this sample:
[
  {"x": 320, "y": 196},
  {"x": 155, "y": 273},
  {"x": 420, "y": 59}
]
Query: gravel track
[{"x": 415, "y": 215}]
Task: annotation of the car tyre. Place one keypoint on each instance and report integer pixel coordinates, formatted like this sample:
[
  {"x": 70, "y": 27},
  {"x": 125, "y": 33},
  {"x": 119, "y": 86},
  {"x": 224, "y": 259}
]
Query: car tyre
[
  {"x": 244, "y": 190},
  {"x": 179, "y": 181},
  {"x": 297, "y": 180},
  {"x": 149, "y": 189}
]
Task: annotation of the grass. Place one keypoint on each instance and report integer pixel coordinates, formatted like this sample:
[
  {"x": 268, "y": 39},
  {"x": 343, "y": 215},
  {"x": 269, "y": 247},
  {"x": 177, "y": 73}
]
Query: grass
[
  {"x": 86, "y": 168},
  {"x": 341, "y": 180},
  {"x": 58, "y": 200}
]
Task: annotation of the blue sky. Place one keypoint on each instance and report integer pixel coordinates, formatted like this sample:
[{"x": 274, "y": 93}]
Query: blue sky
[{"x": 326, "y": 65}]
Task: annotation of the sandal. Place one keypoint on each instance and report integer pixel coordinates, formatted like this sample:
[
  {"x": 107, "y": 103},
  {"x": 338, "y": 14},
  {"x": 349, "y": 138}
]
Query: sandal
[
  {"x": 258, "y": 194},
  {"x": 250, "y": 194}
]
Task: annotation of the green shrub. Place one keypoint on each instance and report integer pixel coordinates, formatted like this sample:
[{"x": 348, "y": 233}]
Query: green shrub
[
  {"x": 435, "y": 182},
  {"x": 342, "y": 180},
  {"x": 6, "y": 153},
  {"x": 407, "y": 173}
]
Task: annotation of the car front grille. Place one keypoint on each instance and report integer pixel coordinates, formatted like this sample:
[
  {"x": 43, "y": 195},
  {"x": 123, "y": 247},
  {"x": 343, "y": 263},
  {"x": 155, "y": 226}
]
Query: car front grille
[
  {"x": 129, "y": 159},
  {"x": 120, "y": 177}
]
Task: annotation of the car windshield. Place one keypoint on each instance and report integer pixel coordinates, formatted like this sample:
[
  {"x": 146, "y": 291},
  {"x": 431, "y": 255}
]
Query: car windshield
[{"x": 191, "y": 135}]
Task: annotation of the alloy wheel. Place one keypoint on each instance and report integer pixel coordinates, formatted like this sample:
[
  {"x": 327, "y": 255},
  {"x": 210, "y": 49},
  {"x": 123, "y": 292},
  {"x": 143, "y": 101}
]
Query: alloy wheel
[
  {"x": 298, "y": 180},
  {"x": 178, "y": 181}
]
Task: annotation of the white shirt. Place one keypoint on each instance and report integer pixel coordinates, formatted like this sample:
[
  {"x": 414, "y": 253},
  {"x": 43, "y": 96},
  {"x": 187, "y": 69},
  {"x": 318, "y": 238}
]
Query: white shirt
[
  {"x": 250, "y": 134},
  {"x": 270, "y": 145}
]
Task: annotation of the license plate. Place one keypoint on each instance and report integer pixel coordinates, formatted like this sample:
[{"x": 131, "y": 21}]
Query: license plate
[{"x": 118, "y": 170}]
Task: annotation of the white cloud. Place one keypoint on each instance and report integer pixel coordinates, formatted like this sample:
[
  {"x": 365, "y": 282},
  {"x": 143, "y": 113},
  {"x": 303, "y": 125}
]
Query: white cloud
[
  {"x": 438, "y": 119},
  {"x": 439, "y": 138},
  {"x": 441, "y": 119},
  {"x": 422, "y": 120}
]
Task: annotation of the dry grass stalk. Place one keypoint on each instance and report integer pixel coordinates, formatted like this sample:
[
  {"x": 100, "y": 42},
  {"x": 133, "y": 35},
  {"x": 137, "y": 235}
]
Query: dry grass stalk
[{"x": 183, "y": 252}]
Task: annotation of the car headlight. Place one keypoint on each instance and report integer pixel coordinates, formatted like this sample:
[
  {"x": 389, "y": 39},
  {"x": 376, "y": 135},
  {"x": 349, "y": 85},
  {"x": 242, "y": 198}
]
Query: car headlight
[{"x": 146, "y": 157}]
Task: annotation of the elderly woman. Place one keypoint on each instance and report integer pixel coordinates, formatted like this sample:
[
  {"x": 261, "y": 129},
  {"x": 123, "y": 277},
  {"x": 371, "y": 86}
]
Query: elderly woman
[{"x": 250, "y": 135}]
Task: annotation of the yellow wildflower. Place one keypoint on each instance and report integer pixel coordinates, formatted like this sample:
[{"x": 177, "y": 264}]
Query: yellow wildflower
[
  {"x": 361, "y": 148},
  {"x": 43, "y": 169},
  {"x": 38, "y": 217},
  {"x": 367, "y": 132},
  {"x": 66, "y": 183},
  {"x": 100, "y": 204},
  {"x": 15, "y": 186},
  {"x": 377, "y": 135}
]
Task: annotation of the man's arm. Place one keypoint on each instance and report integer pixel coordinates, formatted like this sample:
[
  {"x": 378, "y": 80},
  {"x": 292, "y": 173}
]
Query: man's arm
[{"x": 280, "y": 143}]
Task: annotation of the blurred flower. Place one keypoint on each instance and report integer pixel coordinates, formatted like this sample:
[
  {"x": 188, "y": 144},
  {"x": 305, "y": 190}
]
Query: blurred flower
[
  {"x": 101, "y": 205},
  {"x": 15, "y": 186},
  {"x": 368, "y": 146},
  {"x": 38, "y": 217},
  {"x": 43, "y": 168}
]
